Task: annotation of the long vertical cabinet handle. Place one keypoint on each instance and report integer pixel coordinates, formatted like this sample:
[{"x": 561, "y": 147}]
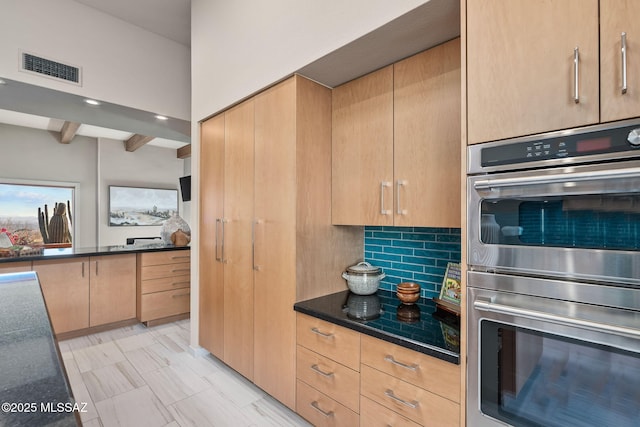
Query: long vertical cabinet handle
[
  {"x": 576, "y": 75},
  {"x": 623, "y": 51},
  {"x": 217, "y": 240},
  {"x": 96, "y": 267},
  {"x": 82, "y": 268},
  {"x": 399, "y": 184},
  {"x": 222, "y": 257},
  {"x": 383, "y": 184},
  {"x": 256, "y": 267}
]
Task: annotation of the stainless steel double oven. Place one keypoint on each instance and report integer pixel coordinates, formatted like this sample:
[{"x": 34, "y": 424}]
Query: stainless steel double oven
[{"x": 553, "y": 282}]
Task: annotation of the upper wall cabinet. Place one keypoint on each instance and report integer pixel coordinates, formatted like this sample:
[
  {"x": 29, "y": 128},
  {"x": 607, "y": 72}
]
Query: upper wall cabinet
[
  {"x": 396, "y": 136},
  {"x": 541, "y": 66}
]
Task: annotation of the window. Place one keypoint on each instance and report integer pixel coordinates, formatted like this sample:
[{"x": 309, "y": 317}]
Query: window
[{"x": 20, "y": 205}]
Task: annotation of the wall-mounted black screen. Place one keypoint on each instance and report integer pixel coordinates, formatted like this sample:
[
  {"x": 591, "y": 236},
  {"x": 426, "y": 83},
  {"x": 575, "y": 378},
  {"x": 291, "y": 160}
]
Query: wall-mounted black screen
[{"x": 185, "y": 188}]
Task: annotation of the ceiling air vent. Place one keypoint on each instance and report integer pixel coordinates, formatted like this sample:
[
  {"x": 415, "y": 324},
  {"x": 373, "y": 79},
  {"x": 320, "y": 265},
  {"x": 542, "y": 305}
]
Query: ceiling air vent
[{"x": 50, "y": 68}]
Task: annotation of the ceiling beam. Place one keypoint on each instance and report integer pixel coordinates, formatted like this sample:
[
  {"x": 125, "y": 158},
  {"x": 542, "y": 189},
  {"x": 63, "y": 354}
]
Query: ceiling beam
[
  {"x": 184, "y": 152},
  {"x": 136, "y": 141},
  {"x": 68, "y": 132}
]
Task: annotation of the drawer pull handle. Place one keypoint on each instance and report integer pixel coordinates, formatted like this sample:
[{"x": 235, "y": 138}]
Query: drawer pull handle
[
  {"x": 315, "y": 406},
  {"x": 321, "y": 372},
  {"x": 180, "y": 295},
  {"x": 319, "y": 332},
  {"x": 180, "y": 283},
  {"x": 413, "y": 405},
  {"x": 412, "y": 367},
  {"x": 180, "y": 257},
  {"x": 178, "y": 270}
]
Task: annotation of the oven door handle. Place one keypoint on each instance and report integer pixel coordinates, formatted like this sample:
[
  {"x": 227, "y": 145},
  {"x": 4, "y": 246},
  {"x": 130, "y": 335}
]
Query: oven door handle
[
  {"x": 486, "y": 184},
  {"x": 554, "y": 318}
]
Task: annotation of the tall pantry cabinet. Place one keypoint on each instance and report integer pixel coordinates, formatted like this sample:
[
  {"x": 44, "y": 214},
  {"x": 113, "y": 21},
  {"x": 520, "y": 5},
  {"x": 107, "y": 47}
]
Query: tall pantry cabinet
[{"x": 286, "y": 249}]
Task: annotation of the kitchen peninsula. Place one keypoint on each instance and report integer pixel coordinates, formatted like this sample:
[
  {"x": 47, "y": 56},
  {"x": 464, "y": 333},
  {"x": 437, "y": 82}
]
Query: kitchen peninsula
[{"x": 94, "y": 288}]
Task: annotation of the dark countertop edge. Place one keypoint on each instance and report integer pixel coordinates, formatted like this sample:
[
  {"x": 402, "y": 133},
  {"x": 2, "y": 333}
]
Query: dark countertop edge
[
  {"x": 437, "y": 352},
  {"x": 84, "y": 252}
]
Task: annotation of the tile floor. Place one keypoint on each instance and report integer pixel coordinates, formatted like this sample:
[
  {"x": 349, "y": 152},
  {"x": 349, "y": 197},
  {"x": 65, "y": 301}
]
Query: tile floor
[{"x": 139, "y": 376}]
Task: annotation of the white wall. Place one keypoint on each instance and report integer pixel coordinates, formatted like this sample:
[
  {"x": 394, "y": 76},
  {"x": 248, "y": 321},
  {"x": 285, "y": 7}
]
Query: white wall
[
  {"x": 32, "y": 154},
  {"x": 121, "y": 63}
]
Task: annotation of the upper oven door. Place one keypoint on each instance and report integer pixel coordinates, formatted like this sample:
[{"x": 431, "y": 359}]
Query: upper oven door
[{"x": 580, "y": 222}]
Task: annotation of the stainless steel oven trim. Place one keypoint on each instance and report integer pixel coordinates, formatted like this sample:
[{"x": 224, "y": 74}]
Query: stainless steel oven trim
[
  {"x": 601, "y": 265},
  {"x": 577, "y": 310},
  {"x": 474, "y": 151}
]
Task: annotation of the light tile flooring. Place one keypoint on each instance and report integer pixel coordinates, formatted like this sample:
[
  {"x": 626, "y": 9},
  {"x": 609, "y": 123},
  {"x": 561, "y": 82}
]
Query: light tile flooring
[{"x": 139, "y": 376}]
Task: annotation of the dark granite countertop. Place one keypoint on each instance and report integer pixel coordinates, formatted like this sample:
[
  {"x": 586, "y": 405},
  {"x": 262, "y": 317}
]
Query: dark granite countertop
[
  {"x": 34, "y": 389},
  {"x": 94, "y": 251},
  {"x": 421, "y": 327}
]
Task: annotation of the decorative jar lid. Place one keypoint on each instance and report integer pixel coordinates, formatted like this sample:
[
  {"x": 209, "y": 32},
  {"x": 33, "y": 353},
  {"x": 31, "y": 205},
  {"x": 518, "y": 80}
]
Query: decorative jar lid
[{"x": 363, "y": 268}]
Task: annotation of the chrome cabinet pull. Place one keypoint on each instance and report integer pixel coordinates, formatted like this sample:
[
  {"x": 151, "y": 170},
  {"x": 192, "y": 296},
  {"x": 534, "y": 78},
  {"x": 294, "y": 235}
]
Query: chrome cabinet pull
[
  {"x": 222, "y": 221},
  {"x": 315, "y": 406},
  {"x": 413, "y": 404},
  {"x": 623, "y": 49},
  {"x": 180, "y": 295},
  {"x": 322, "y": 334},
  {"x": 181, "y": 257},
  {"x": 576, "y": 75},
  {"x": 179, "y": 270},
  {"x": 554, "y": 318},
  {"x": 186, "y": 282},
  {"x": 412, "y": 367},
  {"x": 254, "y": 223},
  {"x": 383, "y": 184},
  {"x": 96, "y": 268},
  {"x": 399, "y": 184},
  {"x": 317, "y": 369},
  {"x": 83, "y": 269}
]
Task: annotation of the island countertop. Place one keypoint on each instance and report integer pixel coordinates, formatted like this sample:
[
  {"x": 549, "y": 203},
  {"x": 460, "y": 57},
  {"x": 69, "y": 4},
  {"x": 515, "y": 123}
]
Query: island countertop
[
  {"x": 55, "y": 253},
  {"x": 34, "y": 389},
  {"x": 421, "y": 326}
]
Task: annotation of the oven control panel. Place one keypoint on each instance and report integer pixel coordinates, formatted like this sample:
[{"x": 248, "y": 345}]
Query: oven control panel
[{"x": 573, "y": 144}]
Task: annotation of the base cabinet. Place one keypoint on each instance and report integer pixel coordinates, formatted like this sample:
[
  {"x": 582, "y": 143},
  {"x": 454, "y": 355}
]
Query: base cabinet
[
  {"x": 112, "y": 289},
  {"x": 163, "y": 284},
  {"x": 347, "y": 378},
  {"x": 15, "y": 267}
]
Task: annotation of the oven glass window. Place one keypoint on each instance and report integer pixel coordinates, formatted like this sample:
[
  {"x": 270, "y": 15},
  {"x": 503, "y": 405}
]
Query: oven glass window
[
  {"x": 591, "y": 222},
  {"x": 529, "y": 378}
]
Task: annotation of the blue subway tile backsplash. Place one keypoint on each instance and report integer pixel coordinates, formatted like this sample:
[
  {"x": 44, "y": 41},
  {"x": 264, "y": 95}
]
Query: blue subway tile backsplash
[{"x": 412, "y": 254}]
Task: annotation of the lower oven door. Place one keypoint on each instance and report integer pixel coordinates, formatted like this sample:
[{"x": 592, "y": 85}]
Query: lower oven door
[{"x": 536, "y": 361}]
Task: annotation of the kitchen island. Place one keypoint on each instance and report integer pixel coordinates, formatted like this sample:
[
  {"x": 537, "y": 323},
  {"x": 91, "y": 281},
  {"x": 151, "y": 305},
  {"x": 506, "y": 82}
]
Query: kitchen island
[{"x": 34, "y": 389}]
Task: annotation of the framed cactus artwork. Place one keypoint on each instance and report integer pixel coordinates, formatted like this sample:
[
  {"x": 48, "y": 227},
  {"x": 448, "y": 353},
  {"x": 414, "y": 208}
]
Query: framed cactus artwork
[{"x": 140, "y": 206}]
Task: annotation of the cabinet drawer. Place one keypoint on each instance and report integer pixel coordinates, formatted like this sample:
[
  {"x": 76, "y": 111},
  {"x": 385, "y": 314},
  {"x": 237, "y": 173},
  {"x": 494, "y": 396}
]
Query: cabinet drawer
[
  {"x": 413, "y": 402},
  {"x": 373, "y": 414},
  {"x": 329, "y": 377},
  {"x": 327, "y": 339},
  {"x": 164, "y": 304},
  {"x": 164, "y": 257},
  {"x": 321, "y": 410},
  {"x": 427, "y": 372},
  {"x": 15, "y": 267},
  {"x": 165, "y": 270},
  {"x": 165, "y": 284}
]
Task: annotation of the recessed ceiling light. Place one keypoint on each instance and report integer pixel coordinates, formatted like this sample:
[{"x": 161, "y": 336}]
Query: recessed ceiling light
[
  {"x": 159, "y": 117},
  {"x": 92, "y": 102}
]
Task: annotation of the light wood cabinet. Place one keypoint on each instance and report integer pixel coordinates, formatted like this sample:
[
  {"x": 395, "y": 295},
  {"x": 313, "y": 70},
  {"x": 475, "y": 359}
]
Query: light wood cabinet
[
  {"x": 617, "y": 17},
  {"x": 529, "y": 84},
  {"x": 15, "y": 267},
  {"x": 65, "y": 286},
  {"x": 395, "y": 385},
  {"x": 396, "y": 136},
  {"x": 274, "y": 240},
  {"x": 162, "y": 284},
  {"x": 112, "y": 289}
]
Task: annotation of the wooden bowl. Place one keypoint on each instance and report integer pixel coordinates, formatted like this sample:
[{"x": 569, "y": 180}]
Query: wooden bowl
[
  {"x": 408, "y": 287},
  {"x": 409, "y": 298}
]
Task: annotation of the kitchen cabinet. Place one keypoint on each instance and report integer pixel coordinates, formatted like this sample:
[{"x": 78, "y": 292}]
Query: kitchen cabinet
[
  {"x": 162, "y": 285},
  {"x": 112, "y": 288},
  {"x": 617, "y": 17},
  {"x": 88, "y": 291},
  {"x": 529, "y": 85},
  {"x": 396, "y": 136},
  {"x": 371, "y": 382},
  {"x": 15, "y": 267},
  {"x": 65, "y": 286},
  {"x": 274, "y": 240}
]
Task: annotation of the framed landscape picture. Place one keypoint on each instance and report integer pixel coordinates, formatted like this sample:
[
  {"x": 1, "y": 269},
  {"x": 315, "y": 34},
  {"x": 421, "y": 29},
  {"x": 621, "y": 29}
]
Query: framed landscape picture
[{"x": 139, "y": 206}]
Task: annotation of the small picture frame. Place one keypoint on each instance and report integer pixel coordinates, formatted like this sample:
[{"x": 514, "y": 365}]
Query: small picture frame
[{"x": 451, "y": 289}]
